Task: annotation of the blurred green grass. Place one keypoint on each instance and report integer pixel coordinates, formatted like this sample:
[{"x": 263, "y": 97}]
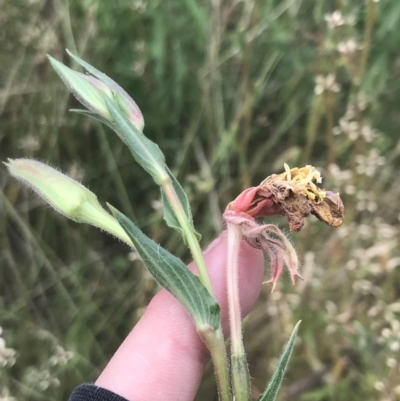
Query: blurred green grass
[{"x": 230, "y": 90}]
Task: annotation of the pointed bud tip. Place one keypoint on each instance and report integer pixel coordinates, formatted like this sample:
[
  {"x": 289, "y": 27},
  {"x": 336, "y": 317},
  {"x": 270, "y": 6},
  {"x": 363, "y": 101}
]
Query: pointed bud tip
[{"x": 7, "y": 163}]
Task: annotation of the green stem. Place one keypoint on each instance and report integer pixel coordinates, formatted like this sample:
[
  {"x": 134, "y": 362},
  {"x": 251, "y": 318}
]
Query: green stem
[
  {"x": 369, "y": 25},
  {"x": 188, "y": 231},
  {"x": 240, "y": 378},
  {"x": 213, "y": 339},
  {"x": 216, "y": 344},
  {"x": 240, "y": 370}
]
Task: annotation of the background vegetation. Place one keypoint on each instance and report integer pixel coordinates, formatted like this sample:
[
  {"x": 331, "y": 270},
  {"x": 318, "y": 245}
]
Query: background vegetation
[{"x": 230, "y": 90}]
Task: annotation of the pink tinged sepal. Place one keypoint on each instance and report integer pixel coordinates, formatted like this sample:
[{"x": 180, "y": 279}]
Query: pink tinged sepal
[
  {"x": 254, "y": 202},
  {"x": 271, "y": 240},
  {"x": 122, "y": 98},
  {"x": 87, "y": 89},
  {"x": 91, "y": 91},
  {"x": 130, "y": 108}
]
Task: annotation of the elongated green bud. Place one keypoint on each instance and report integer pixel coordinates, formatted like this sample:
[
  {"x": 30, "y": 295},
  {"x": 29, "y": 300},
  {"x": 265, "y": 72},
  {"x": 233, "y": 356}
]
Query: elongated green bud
[
  {"x": 88, "y": 90},
  {"x": 65, "y": 195},
  {"x": 92, "y": 89}
]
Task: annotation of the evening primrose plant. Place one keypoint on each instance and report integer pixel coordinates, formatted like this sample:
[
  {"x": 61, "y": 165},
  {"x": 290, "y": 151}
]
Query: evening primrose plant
[{"x": 293, "y": 193}]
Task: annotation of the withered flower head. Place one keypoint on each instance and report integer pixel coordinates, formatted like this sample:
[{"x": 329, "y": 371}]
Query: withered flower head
[{"x": 293, "y": 193}]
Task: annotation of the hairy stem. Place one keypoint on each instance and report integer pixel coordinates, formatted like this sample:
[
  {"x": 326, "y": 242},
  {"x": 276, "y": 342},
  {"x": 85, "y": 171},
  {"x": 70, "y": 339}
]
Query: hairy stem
[
  {"x": 216, "y": 344},
  {"x": 213, "y": 339},
  {"x": 240, "y": 371},
  {"x": 191, "y": 239}
]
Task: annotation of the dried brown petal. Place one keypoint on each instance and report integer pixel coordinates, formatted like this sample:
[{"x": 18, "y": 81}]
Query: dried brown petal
[{"x": 294, "y": 194}]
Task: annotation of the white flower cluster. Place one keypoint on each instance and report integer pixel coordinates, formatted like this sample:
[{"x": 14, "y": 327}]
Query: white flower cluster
[
  {"x": 338, "y": 19},
  {"x": 41, "y": 378},
  {"x": 379, "y": 258},
  {"x": 341, "y": 179},
  {"x": 348, "y": 47},
  {"x": 61, "y": 356},
  {"x": 368, "y": 164},
  {"x": 139, "y": 6},
  {"x": 366, "y": 201},
  {"x": 351, "y": 127},
  {"x": 7, "y": 355},
  {"x": 326, "y": 83}
]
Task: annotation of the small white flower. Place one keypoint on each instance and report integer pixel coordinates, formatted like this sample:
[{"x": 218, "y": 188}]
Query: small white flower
[
  {"x": 350, "y": 189},
  {"x": 367, "y": 165},
  {"x": 348, "y": 47},
  {"x": 61, "y": 356},
  {"x": 395, "y": 346},
  {"x": 5, "y": 395},
  {"x": 368, "y": 133},
  {"x": 7, "y": 355},
  {"x": 326, "y": 83},
  {"x": 139, "y": 6},
  {"x": 386, "y": 332},
  {"x": 351, "y": 264},
  {"x": 391, "y": 362},
  {"x": 334, "y": 20},
  {"x": 362, "y": 101}
]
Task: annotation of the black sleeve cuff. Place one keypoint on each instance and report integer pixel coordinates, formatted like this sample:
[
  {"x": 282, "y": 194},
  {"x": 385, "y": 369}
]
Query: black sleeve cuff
[{"x": 90, "y": 392}]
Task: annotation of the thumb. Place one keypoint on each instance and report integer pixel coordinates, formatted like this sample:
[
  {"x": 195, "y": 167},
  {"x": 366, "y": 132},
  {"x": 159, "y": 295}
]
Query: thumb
[{"x": 163, "y": 357}]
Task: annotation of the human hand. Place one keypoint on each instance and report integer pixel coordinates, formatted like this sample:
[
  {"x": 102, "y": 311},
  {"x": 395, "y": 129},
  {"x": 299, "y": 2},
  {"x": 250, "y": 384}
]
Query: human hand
[{"x": 163, "y": 357}]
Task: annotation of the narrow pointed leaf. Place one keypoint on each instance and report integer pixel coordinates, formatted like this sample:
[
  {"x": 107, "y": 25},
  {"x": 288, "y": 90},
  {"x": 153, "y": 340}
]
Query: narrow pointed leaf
[
  {"x": 274, "y": 385},
  {"x": 172, "y": 274},
  {"x": 98, "y": 118},
  {"x": 169, "y": 214},
  {"x": 145, "y": 151}
]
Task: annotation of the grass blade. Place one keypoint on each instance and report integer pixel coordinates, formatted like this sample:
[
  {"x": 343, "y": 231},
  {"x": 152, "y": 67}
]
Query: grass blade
[{"x": 274, "y": 385}]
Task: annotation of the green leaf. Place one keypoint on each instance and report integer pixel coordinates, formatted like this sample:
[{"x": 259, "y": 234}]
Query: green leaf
[
  {"x": 98, "y": 118},
  {"x": 273, "y": 387},
  {"x": 145, "y": 151},
  {"x": 169, "y": 214},
  {"x": 172, "y": 274}
]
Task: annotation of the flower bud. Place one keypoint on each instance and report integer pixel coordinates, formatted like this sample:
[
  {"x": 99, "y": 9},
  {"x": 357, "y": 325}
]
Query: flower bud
[
  {"x": 65, "y": 195},
  {"x": 130, "y": 108},
  {"x": 88, "y": 90},
  {"x": 91, "y": 89}
]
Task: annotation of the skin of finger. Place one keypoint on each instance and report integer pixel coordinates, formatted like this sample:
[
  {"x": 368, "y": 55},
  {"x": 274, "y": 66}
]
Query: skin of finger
[{"x": 163, "y": 358}]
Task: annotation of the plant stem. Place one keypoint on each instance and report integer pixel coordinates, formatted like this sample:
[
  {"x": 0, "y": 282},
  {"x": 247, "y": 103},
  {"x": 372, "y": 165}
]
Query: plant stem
[
  {"x": 191, "y": 239},
  {"x": 240, "y": 371},
  {"x": 369, "y": 25},
  {"x": 214, "y": 339},
  {"x": 216, "y": 344}
]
